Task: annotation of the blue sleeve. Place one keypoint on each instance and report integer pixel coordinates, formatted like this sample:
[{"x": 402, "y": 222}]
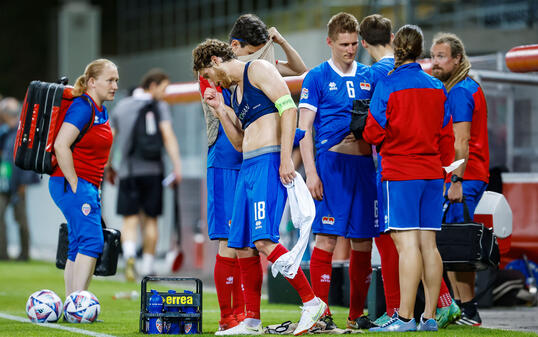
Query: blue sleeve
[
  {"x": 227, "y": 95},
  {"x": 79, "y": 113},
  {"x": 379, "y": 102},
  {"x": 461, "y": 105},
  {"x": 310, "y": 93}
]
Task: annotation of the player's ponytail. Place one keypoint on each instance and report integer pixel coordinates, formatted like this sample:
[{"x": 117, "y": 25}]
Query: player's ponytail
[
  {"x": 94, "y": 69},
  {"x": 408, "y": 45}
]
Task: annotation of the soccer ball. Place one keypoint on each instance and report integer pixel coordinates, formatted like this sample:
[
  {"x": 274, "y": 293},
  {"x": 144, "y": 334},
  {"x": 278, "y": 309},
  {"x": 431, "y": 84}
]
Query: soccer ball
[
  {"x": 81, "y": 307},
  {"x": 44, "y": 306}
]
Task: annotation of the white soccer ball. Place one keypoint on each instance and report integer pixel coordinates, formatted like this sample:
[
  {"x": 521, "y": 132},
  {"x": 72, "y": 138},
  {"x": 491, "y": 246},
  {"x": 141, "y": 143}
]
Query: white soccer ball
[
  {"x": 44, "y": 306},
  {"x": 81, "y": 307}
]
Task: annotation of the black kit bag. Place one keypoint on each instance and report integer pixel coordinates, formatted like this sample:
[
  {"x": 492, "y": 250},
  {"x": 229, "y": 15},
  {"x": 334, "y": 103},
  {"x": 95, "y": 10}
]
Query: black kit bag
[
  {"x": 107, "y": 262},
  {"x": 467, "y": 246},
  {"x": 147, "y": 141},
  {"x": 42, "y": 115}
]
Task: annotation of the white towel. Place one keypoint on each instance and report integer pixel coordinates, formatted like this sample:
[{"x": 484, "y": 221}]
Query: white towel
[{"x": 300, "y": 206}]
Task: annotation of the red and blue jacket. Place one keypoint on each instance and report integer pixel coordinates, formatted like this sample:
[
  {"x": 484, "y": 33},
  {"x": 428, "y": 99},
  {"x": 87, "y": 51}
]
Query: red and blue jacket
[
  {"x": 409, "y": 119},
  {"x": 466, "y": 103}
]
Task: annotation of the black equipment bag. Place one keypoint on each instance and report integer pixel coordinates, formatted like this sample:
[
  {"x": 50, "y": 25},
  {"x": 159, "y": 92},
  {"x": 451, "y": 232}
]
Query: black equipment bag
[
  {"x": 107, "y": 262},
  {"x": 42, "y": 115},
  {"x": 467, "y": 246}
]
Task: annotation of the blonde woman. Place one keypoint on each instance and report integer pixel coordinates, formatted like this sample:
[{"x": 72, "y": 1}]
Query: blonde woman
[{"x": 74, "y": 184}]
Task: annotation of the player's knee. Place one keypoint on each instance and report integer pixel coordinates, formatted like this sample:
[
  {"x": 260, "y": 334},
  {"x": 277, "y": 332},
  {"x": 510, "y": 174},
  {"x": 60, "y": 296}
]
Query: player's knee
[
  {"x": 326, "y": 242},
  {"x": 361, "y": 245}
]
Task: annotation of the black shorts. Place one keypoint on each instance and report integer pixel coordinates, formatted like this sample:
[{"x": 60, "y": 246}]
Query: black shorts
[{"x": 141, "y": 193}]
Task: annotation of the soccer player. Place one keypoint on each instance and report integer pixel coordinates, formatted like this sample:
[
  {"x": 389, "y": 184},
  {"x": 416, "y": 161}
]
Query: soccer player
[
  {"x": 342, "y": 177},
  {"x": 262, "y": 126},
  {"x": 417, "y": 141},
  {"x": 376, "y": 33},
  {"x": 249, "y": 34},
  {"x": 467, "y": 104}
]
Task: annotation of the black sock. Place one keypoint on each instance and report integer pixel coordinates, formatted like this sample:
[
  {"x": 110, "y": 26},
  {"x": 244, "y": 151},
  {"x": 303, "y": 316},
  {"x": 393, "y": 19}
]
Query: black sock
[
  {"x": 458, "y": 302},
  {"x": 469, "y": 308},
  {"x": 406, "y": 320},
  {"x": 424, "y": 320}
]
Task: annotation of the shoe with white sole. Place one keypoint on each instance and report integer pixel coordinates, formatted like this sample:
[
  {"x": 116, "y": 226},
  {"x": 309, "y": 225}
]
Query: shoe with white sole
[
  {"x": 241, "y": 329},
  {"x": 309, "y": 317}
]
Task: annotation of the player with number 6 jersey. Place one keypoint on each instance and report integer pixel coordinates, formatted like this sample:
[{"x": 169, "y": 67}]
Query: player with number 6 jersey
[{"x": 342, "y": 176}]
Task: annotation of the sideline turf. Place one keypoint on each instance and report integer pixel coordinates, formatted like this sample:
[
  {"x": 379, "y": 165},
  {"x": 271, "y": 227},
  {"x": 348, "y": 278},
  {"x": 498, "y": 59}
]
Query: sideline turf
[{"x": 18, "y": 280}]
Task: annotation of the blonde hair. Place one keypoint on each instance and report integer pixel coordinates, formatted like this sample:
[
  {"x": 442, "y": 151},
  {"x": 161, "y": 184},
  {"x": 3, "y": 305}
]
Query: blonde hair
[
  {"x": 93, "y": 69},
  {"x": 342, "y": 23},
  {"x": 461, "y": 71}
]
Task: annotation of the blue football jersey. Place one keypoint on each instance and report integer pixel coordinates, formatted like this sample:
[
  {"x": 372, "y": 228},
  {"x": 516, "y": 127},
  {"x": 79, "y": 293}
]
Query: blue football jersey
[
  {"x": 381, "y": 69},
  {"x": 330, "y": 93}
]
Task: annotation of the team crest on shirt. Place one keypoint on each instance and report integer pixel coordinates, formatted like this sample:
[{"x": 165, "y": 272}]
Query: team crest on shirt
[
  {"x": 304, "y": 93},
  {"x": 332, "y": 86},
  {"x": 327, "y": 220},
  {"x": 86, "y": 209},
  {"x": 365, "y": 86}
]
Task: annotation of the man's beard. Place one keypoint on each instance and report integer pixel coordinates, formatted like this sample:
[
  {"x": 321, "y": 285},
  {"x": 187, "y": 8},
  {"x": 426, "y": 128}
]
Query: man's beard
[{"x": 441, "y": 75}]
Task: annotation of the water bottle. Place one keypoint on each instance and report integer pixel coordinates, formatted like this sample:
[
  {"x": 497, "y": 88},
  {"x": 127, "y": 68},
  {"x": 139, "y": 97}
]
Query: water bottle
[
  {"x": 189, "y": 327},
  {"x": 155, "y": 306},
  {"x": 172, "y": 323}
]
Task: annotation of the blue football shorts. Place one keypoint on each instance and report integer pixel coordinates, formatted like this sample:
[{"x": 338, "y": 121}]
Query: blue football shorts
[
  {"x": 381, "y": 209},
  {"x": 472, "y": 191},
  {"x": 82, "y": 211},
  {"x": 414, "y": 204},
  {"x": 349, "y": 205},
  {"x": 259, "y": 202},
  {"x": 220, "y": 201}
]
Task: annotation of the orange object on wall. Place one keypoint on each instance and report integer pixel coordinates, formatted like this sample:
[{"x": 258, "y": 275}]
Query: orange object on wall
[{"x": 522, "y": 59}]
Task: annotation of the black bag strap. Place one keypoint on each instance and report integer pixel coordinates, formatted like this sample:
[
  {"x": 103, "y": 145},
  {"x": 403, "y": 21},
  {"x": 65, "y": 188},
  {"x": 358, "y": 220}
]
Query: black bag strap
[{"x": 466, "y": 215}]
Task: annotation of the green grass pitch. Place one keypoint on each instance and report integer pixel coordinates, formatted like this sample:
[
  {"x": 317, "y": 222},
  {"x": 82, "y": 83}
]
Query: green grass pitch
[{"x": 120, "y": 317}]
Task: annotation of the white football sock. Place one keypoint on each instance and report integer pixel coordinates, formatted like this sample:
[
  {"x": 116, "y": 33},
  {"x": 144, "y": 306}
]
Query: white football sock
[{"x": 129, "y": 249}]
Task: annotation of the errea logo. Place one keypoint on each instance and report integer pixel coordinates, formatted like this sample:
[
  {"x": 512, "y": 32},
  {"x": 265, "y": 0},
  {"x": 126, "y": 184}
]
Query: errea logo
[
  {"x": 326, "y": 278},
  {"x": 332, "y": 86}
]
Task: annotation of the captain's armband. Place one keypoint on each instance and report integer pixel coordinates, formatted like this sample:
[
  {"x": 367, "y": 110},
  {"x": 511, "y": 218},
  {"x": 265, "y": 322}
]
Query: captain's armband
[{"x": 284, "y": 103}]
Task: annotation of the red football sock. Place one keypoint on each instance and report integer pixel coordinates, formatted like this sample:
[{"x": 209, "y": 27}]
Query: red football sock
[
  {"x": 444, "y": 296},
  {"x": 237, "y": 293},
  {"x": 299, "y": 282},
  {"x": 320, "y": 274},
  {"x": 389, "y": 271},
  {"x": 360, "y": 276},
  {"x": 224, "y": 279},
  {"x": 252, "y": 277}
]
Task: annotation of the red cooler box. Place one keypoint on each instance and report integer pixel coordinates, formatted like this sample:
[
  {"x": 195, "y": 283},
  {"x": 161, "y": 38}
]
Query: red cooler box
[{"x": 494, "y": 212}]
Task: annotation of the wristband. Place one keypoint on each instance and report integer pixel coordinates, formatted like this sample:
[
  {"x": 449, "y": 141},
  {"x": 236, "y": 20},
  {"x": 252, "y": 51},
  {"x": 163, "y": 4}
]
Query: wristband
[{"x": 284, "y": 103}]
